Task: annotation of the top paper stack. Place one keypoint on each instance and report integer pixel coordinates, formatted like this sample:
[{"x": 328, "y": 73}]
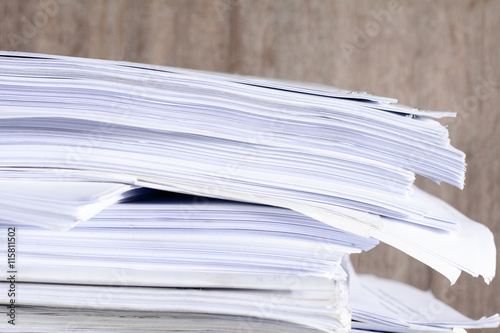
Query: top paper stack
[{"x": 346, "y": 159}]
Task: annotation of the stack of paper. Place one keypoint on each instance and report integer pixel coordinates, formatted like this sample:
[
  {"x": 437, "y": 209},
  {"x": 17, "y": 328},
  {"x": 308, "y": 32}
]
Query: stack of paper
[
  {"x": 175, "y": 257},
  {"x": 302, "y": 175},
  {"x": 153, "y": 239},
  {"x": 171, "y": 256},
  {"x": 220, "y": 136}
]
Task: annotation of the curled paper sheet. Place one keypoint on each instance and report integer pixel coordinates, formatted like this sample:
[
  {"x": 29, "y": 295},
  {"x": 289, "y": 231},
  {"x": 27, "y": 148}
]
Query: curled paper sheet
[{"x": 381, "y": 305}]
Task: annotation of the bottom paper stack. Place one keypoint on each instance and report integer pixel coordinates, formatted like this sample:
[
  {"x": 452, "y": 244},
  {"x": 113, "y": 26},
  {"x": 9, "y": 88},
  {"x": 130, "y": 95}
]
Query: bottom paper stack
[{"x": 175, "y": 263}]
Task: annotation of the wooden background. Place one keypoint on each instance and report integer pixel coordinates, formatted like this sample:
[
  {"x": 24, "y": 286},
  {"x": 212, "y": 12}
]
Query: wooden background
[{"x": 440, "y": 55}]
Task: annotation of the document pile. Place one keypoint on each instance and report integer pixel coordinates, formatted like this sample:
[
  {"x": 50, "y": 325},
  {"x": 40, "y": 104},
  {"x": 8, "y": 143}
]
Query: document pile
[{"x": 146, "y": 198}]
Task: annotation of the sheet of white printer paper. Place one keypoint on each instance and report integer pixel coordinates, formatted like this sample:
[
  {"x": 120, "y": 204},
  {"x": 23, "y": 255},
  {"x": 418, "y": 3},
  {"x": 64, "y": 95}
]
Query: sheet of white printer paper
[
  {"x": 471, "y": 249},
  {"x": 358, "y": 327},
  {"x": 381, "y": 304},
  {"x": 57, "y": 204}
]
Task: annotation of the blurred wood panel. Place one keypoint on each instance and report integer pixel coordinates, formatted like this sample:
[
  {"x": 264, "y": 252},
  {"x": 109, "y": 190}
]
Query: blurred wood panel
[{"x": 441, "y": 55}]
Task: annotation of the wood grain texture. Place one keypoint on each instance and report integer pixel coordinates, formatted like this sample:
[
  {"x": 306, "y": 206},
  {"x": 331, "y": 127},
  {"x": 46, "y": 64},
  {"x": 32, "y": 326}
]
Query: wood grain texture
[{"x": 440, "y": 55}]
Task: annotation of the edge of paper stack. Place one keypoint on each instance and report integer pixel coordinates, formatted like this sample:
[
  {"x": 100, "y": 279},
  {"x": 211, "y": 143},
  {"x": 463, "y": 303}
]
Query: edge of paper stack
[{"x": 199, "y": 202}]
